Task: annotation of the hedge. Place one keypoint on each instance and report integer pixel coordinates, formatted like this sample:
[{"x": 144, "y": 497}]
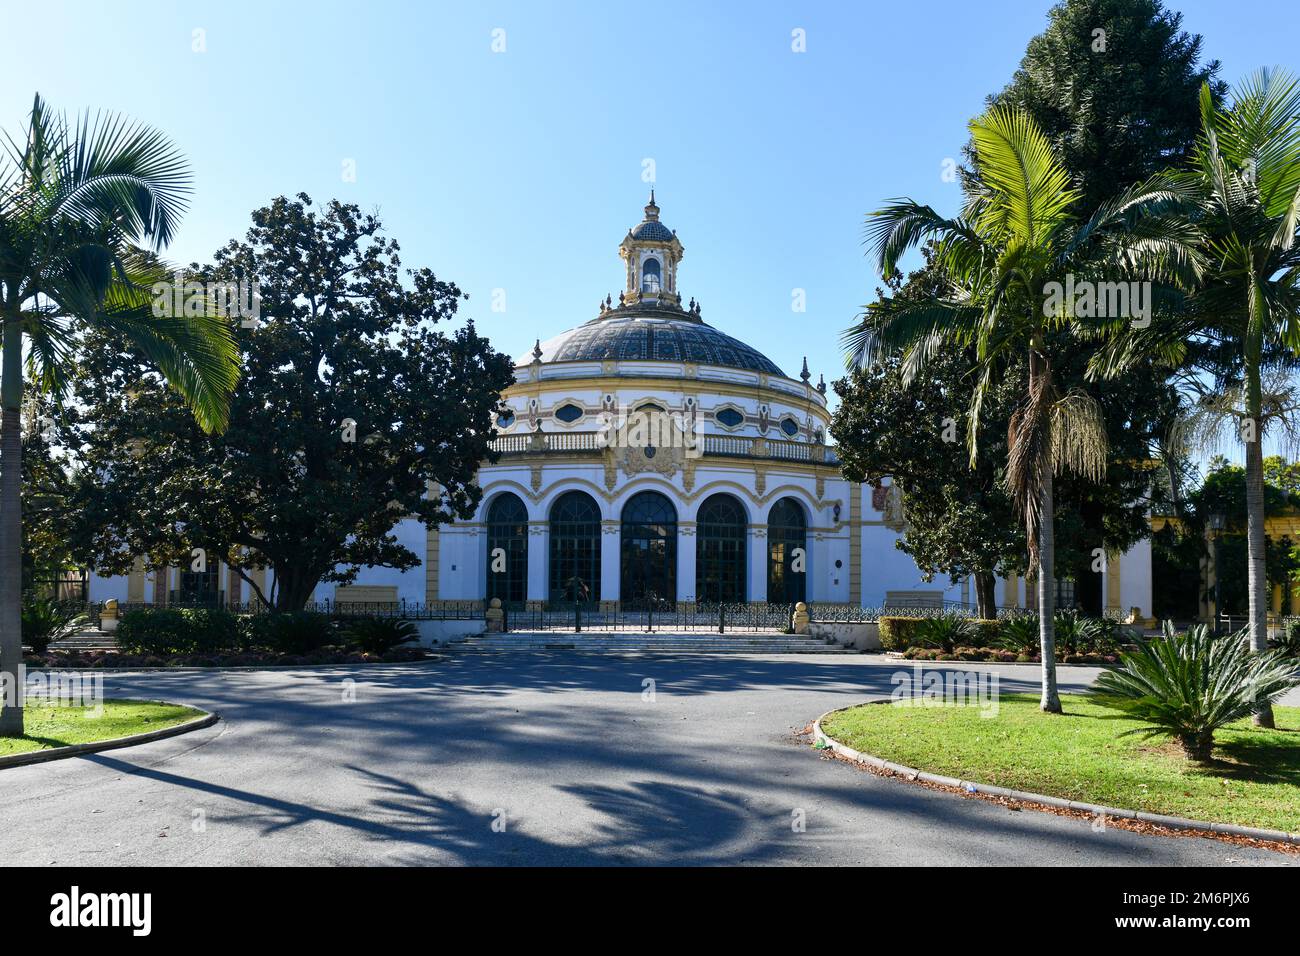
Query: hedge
[
  {"x": 177, "y": 631},
  {"x": 899, "y": 633}
]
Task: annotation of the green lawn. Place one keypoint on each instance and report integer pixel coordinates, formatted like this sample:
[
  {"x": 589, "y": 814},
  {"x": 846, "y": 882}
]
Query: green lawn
[
  {"x": 1254, "y": 780},
  {"x": 49, "y": 726}
]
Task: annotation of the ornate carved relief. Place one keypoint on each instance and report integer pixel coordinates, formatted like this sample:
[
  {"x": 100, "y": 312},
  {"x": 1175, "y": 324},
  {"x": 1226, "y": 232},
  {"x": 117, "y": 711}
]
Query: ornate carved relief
[
  {"x": 893, "y": 516},
  {"x": 660, "y": 461}
]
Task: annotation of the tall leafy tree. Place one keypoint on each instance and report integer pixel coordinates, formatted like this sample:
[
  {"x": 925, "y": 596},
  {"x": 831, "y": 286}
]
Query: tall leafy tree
[
  {"x": 355, "y": 410},
  {"x": 1016, "y": 234},
  {"x": 1114, "y": 85},
  {"x": 76, "y": 203},
  {"x": 1240, "y": 195}
]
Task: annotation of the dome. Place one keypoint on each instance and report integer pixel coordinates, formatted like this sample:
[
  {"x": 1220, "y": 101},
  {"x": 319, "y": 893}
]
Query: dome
[
  {"x": 657, "y": 336},
  {"x": 653, "y": 230}
]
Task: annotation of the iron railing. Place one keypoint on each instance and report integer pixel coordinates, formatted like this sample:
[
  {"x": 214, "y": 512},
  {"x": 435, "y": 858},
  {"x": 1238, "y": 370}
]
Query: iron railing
[{"x": 727, "y": 446}]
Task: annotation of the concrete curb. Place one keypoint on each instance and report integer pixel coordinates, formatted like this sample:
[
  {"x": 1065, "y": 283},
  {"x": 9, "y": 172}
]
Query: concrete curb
[
  {"x": 76, "y": 750},
  {"x": 912, "y": 773},
  {"x": 195, "y": 669}
]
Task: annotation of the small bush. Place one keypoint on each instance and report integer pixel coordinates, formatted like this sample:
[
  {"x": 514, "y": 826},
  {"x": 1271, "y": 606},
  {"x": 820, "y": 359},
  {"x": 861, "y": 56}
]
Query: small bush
[
  {"x": 45, "y": 620},
  {"x": 944, "y": 632},
  {"x": 289, "y": 632},
  {"x": 379, "y": 635},
  {"x": 898, "y": 633},
  {"x": 1020, "y": 634},
  {"x": 1289, "y": 642},
  {"x": 1189, "y": 685},
  {"x": 165, "y": 631}
]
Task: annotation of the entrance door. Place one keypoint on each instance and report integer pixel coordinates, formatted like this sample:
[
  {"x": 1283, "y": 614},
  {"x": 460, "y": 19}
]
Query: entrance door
[{"x": 649, "y": 550}]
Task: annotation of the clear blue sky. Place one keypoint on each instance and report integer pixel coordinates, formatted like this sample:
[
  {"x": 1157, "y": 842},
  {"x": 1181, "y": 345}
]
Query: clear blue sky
[{"x": 522, "y": 170}]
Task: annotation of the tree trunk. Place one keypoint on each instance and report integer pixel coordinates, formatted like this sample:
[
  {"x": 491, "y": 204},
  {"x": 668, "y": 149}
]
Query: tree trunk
[
  {"x": 986, "y": 605},
  {"x": 1198, "y": 748},
  {"x": 1256, "y": 577},
  {"x": 294, "y": 588},
  {"x": 1051, "y": 700},
  {"x": 11, "y": 528}
]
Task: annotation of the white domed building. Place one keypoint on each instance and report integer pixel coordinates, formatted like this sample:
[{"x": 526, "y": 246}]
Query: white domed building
[{"x": 646, "y": 454}]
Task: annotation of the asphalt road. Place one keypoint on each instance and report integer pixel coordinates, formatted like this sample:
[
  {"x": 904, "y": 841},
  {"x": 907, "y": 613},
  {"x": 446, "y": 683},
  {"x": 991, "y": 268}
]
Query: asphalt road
[{"x": 531, "y": 759}]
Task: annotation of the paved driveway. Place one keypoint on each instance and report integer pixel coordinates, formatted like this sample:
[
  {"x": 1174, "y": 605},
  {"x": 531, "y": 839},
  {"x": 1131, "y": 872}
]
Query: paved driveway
[{"x": 540, "y": 759}]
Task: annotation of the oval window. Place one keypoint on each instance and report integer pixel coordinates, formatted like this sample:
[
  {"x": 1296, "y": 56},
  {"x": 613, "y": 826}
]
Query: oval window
[
  {"x": 506, "y": 419},
  {"x": 790, "y": 426},
  {"x": 730, "y": 417},
  {"x": 568, "y": 413}
]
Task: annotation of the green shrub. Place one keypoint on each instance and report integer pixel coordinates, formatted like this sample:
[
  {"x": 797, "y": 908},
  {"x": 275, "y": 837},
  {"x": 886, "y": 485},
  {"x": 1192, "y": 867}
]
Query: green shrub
[
  {"x": 944, "y": 632},
  {"x": 45, "y": 620},
  {"x": 985, "y": 632},
  {"x": 1020, "y": 634},
  {"x": 898, "y": 633},
  {"x": 1190, "y": 685},
  {"x": 211, "y": 629},
  {"x": 289, "y": 632},
  {"x": 1075, "y": 634},
  {"x": 1288, "y": 642},
  {"x": 168, "y": 630},
  {"x": 379, "y": 635}
]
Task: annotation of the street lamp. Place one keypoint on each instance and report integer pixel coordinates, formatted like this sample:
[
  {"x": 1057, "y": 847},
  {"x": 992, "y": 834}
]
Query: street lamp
[{"x": 1217, "y": 522}]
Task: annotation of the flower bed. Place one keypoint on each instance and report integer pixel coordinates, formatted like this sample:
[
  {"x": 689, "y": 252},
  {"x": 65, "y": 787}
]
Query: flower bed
[{"x": 995, "y": 655}]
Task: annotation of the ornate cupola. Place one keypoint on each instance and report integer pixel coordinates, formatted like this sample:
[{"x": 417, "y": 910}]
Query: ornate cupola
[{"x": 651, "y": 252}]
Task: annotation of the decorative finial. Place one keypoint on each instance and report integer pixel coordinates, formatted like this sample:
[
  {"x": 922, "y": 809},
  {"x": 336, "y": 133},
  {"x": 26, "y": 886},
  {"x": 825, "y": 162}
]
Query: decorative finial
[
  {"x": 821, "y": 384},
  {"x": 537, "y": 351},
  {"x": 620, "y": 299},
  {"x": 805, "y": 374},
  {"x": 652, "y": 210},
  {"x": 609, "y": 300}
]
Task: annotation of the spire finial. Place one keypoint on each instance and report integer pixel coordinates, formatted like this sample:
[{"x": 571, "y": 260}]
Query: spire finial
[
  {"x": 805, "y": 374},
  {"x": 651, "y": 209},
  {"x": 537, "y": 351}
]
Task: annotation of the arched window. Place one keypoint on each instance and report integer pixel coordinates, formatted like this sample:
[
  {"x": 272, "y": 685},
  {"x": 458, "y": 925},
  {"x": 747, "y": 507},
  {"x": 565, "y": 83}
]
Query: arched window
[
  {"x": 720, "y": 553},
  {"x": 575, "y": 548},
  {"x": 787, "y": 550},
  {"x": 649, "y": 555},
  {"x": 507, "y": 558},
  {"x": 650, "y": 276}
]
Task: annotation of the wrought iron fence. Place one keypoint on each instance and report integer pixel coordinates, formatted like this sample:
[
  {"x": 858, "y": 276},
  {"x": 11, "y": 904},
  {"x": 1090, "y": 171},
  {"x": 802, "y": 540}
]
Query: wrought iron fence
[{"x": 461, "y": 610}]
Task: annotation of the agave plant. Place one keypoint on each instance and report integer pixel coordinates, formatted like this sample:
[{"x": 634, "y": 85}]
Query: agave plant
[
  {"x": 46, "y": 620},
  {"x": 1020, "y": 634},
  {"x": 1076, "y": 634},
  {"x": 379, "y": 635},
  {"x": 1188, "y": 686},
  {"x": 946, "y": 632}
]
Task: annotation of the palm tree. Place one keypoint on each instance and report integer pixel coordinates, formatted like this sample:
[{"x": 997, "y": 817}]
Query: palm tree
[
  {"x": 1015, "y": 235},
  {"x": 1241, "y": 195},
  {"x": 77, "y": 203}
]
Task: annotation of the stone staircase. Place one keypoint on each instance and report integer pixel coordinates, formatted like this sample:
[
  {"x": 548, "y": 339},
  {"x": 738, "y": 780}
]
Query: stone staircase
[
  {"x": 89, "y": 639},
  {"x": 658, "y": 642}
]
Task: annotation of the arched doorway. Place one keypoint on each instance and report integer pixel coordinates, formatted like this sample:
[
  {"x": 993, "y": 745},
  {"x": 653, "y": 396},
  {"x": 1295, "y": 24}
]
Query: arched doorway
[
  {"x": 575, "y": 548},
  {"x": 649, "y": 555},
  {"x": 721, "y": 532},
  {"x": 787, "y": 553},
  {"x": 507, "y": 557}
]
